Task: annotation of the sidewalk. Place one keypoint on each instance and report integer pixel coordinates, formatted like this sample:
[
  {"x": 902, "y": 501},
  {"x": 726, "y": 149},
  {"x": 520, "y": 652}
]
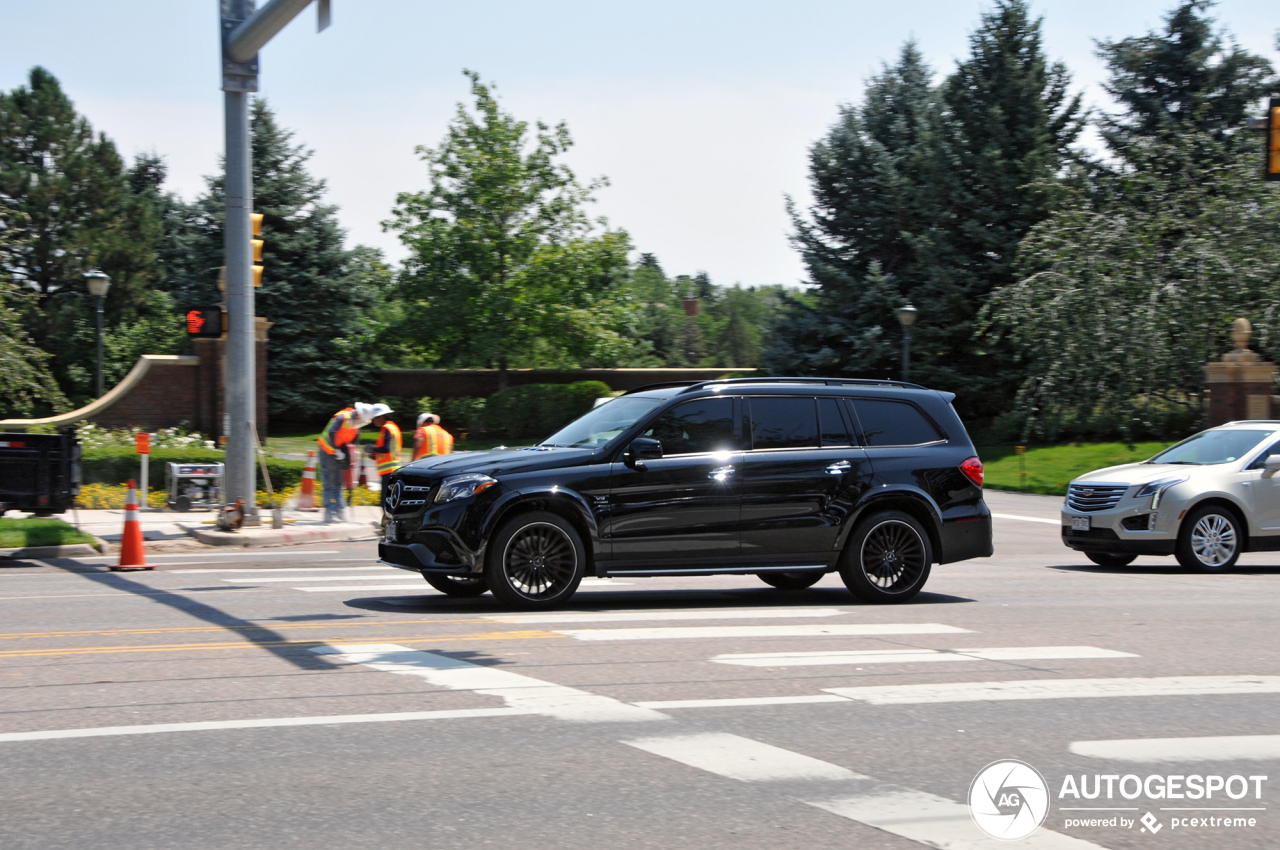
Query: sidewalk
[{"x": 170, "y": 528}]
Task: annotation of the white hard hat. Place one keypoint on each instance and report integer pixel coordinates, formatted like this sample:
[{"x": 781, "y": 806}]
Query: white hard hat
[
  {"x": 423, "y": 417},
  {"x": 363, "y": 412},
  {"x": 379, "y": 409}
]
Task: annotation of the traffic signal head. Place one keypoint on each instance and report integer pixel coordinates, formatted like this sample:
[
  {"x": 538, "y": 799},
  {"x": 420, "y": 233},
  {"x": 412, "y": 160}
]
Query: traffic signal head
[
  {"x": 204, "y": 322},
  {"x": 1273, "y": 140},
  {"x": 256, "y": 218}
]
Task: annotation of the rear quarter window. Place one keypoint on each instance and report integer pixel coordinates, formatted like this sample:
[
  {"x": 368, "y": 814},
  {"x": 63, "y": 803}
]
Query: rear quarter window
[{"x": 893, "y": 423}]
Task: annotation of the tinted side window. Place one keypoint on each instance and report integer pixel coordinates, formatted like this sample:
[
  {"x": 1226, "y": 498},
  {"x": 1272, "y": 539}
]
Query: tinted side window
[
  {"x": 783, "y": 423},
  {"x": 834, "y": 431},
  {"x": 705, "y": 425},
  {"x": 893, "y": 423}
]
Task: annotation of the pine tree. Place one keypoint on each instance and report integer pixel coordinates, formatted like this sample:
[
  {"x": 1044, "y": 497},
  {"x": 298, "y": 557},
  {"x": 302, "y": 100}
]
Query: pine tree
[
  {"x": 25, "y": 381},
  {"x": 1184, "y": 78}
]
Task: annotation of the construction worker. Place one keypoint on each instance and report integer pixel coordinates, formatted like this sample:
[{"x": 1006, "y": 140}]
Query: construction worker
[
  {"x": 430, "y": 438},
  {"x": 385, "y": 452},
  {"x": 336, "y": 445}
]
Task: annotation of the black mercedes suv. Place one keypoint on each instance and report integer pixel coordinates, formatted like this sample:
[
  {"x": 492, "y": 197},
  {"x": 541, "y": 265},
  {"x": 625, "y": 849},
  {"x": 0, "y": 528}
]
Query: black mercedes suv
[{"x": 783, "y": 478}]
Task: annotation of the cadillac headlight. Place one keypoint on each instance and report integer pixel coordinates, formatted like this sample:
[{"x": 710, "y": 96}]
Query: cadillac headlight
[
  {"x": 461, "y": 486},
  {"x": 1156, "y": 489}
]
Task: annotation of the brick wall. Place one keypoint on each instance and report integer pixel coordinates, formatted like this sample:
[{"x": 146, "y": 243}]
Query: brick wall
[{"x": 165, "y": 396}]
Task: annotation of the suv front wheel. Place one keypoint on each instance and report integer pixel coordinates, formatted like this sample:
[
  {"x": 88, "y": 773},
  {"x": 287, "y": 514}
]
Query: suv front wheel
[
  {"x": 1210, "y": 540},
  {"x": 888, "y": 558},
  {"x": 536, "y": 560}
]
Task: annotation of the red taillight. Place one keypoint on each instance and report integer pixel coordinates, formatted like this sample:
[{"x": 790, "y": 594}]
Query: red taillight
[{"x": 972, "y": 469}]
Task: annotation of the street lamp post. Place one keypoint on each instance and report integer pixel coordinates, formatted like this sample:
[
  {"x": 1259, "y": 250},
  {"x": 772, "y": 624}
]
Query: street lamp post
[
  {"x": 98, "y": 284},
  {"x": 906, "y": 318}
]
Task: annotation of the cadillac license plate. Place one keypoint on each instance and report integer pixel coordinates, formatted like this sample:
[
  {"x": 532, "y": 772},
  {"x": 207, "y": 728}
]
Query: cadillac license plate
[{"x": 1080, "y": 523}]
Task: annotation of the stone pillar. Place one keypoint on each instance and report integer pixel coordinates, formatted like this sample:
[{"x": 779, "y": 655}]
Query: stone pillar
[
  {"x": 1240, "y": 383},
  {"x": 261, "y": 327}
]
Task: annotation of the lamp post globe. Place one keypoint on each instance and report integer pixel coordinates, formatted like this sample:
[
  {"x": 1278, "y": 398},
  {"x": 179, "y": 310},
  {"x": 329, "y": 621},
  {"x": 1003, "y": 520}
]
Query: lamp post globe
[
  {"x": 98, "y": 283},
  {"x": 906, "y": 318}
]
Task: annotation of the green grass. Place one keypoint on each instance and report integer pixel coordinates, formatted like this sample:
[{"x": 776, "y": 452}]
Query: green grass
[
  {"x": 1050, "y": 468},
  {"x": 19, "y": 533}
]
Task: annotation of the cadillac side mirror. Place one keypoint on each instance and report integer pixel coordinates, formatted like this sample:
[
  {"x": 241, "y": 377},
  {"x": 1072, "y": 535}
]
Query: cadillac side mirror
[
  {"x": 1270, "y": 466},
  {"x": 640, "y": 450}
]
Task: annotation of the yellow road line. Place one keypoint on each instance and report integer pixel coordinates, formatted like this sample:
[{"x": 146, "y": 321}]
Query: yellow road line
[
  {"x": 275, "y": 627},
  {"x": 191, "y": 647}
]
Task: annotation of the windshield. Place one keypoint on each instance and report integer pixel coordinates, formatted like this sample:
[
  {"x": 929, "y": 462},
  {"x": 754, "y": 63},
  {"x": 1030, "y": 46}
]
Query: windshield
[
  {"x": 1212, "y": 447},
  {"x": 599, "y": 426}
]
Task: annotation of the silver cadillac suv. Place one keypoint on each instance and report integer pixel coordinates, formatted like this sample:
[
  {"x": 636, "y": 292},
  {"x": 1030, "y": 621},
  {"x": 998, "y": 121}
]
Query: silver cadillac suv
[{"x": 1204, "y": 500}]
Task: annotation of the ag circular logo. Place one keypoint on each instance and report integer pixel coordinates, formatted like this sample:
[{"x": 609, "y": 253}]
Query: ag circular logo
[
  {"x": 1008, "y": 800},
  {"x": 393, "y": 496}
]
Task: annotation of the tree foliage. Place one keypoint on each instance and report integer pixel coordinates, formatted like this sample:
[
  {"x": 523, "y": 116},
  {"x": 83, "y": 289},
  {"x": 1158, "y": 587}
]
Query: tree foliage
[
  {"x": 25, "y": 381},
  {"x": 506, "y": 268}
]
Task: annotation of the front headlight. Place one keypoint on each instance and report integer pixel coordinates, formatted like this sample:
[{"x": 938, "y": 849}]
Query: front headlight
[
  {"x": 461, "y": 486},
  {"x": 1156, "y": 489}
]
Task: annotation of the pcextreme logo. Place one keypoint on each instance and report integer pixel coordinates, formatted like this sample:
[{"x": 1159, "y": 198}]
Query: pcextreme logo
[{"x": 1008, "y": 799}]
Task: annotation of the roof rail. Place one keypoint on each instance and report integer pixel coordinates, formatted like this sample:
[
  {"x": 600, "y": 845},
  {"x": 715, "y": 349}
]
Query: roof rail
[
  {"x": 660, "y": 386},
  {"x": 830, "y": 382}
]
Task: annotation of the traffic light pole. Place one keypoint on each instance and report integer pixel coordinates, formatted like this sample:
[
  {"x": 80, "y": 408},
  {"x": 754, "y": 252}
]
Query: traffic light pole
[{"x": 243, "y": 32}]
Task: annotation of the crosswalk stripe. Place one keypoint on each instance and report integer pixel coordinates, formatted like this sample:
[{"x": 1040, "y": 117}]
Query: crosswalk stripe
[
  {"x": 915, "y": 815},
  {"x": 1027, "y": 689},
  {"x": 691, "y": 614},
  {"x": 395, "y": 575},
  {"x": 741, "y": 701},
  {"x": 907, "y": 656},
  {"x": 518, "y": 691},
  {"x": 348, "y": 587},
  {"x": 693, "y": 632},
  {"x": 1028, "y": 518},
  {"x": 1227, "y": 748}
]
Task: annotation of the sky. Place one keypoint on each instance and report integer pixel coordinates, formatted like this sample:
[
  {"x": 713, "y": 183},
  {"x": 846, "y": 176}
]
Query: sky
[{"x": 701, "y": 114}]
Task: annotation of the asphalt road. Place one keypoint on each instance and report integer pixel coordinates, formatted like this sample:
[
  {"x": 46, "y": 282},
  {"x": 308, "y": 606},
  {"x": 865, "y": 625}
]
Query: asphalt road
[{"x": 305, "y": 697}]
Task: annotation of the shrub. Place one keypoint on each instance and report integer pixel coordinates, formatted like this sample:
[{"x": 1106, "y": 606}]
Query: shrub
[
  {"x": 117, "y": 464},
  {"x": 538, "y": 410},
  {"x": 465, "y": 412}
]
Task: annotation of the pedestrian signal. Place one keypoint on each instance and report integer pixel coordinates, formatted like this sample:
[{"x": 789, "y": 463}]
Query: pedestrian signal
[
  {"x": 256, "y": 218},
  {"x": 1273, "y": 139},
  {"x": 204, "y": 321}
]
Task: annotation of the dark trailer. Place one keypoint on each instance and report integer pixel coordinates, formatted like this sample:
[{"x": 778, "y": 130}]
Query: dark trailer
[{"x": 39, "y": 473}]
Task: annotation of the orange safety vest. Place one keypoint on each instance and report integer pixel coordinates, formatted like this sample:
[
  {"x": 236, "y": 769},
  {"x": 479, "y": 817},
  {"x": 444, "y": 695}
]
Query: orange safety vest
[
  {"x": 389, "y": 460},
  {"x": 346, "y": 433},
  {"x": 431, "y": 440}
]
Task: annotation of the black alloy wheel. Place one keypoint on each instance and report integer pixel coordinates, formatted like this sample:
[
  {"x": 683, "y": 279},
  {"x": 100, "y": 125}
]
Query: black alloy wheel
[
  {"x": 463, "y": 587},
  {"x": 887, "y": 559},
  {"x": 792, "y": 579},
  {"x": 1110, "y": 559},
  {"x": 536, "y": 560}
]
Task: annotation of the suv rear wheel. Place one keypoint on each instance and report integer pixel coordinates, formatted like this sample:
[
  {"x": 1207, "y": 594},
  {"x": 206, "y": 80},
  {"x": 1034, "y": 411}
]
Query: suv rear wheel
[
  {"x": 1210, "y": 540},
  {"x": 792, "y": 579},
  {"x": 888, "y": 558},
  {"x": 536, "y": 560},
  {"x": 463, "y": 587}
]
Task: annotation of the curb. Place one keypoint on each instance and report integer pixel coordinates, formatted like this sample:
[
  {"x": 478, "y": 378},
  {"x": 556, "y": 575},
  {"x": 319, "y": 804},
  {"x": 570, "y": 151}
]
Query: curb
[
  {"x": 283, "y": 537},
  {"x": 75, "y": 550}
]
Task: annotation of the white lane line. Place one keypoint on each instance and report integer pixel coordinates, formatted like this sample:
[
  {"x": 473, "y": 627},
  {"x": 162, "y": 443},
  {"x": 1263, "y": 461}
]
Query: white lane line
[
  {"x": 602, "y": 582},
  {"x": 1227, "y": 748},
  {"x": 915, "y": 815},
  {"x": 690, "y": 632},
  {"x": 740, "y": 701},
  {"x": 287, "y": 569},
  {"x": 740, "y": 758},
  {"x": 525, "y": 693},
  {"x": 396, "y": 575},
  {"x": 935, "y": 821},
  {"x": 205, "y": 558},
  {"x": 907, "y": 656},
  {"x": 349, "y": 587},
  {"x": 1028, "y": 518},
  {"x": 265, "y": 723},
  {"x": 642, "y": 616},
  {"x": 1061, "y": 689}
]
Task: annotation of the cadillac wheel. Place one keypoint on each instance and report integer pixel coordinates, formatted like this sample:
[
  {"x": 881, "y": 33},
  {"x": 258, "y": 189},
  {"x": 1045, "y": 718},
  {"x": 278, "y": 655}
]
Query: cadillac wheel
[
  {"x": 536, "y": 560},
  {"x": 887, "y": 558}
]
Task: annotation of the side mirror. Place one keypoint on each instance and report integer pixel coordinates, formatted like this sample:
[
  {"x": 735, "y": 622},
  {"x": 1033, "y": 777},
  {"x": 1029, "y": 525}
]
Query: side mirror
[
  {"x": 640, "y": 450},
  {"x": 1272, "y": 463}
]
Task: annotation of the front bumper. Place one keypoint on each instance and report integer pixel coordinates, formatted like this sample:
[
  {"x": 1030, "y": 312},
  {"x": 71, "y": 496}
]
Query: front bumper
[
  {"x": 1126, "y": 528},
  {"x": 416, "y": 557},
  {"x": 1106, "y": 540}
]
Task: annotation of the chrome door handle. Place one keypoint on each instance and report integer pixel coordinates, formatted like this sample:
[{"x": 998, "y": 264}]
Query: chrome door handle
[
  {"x": 840, "y": 467},
  {"x": 721, "y": 473}
]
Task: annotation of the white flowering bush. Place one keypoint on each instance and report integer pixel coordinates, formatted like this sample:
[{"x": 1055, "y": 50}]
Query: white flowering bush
[{"x": 96, "y": 437}]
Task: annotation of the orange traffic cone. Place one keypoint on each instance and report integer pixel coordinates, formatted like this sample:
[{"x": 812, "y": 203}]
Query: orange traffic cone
[
  {"x": 132, "y": 554},
  {"x": 363, "y": 482},
  {"x": 307, "y": 496}
]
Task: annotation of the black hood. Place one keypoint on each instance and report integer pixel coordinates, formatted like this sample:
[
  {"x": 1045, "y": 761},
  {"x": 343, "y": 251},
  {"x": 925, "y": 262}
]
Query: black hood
[{"x": 494, "y": 462}]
